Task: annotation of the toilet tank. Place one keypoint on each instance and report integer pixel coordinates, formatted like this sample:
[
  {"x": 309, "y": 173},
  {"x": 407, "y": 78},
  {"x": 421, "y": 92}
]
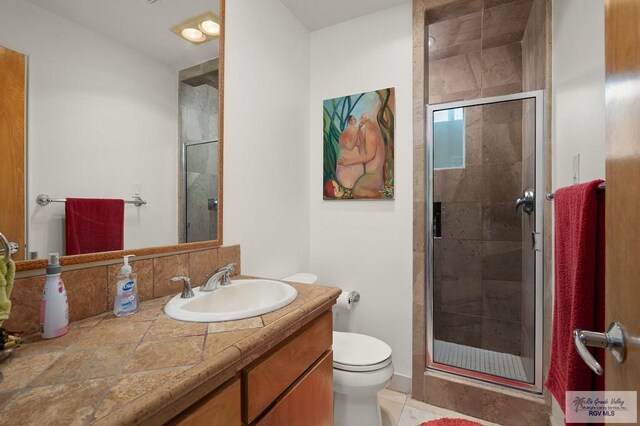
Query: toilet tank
[{"x": 302, "y": 277}]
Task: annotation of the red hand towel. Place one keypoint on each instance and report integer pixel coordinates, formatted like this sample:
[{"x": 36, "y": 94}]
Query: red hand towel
[
  {"x": 579, "y": 284},
  {"x": 94, "y": 225}
]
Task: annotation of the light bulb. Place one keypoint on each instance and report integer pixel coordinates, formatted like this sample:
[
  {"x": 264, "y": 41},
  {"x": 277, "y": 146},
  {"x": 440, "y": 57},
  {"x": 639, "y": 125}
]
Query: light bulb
[
  {"x": 193, "y": 34},
  {"x": 210, "y": 27}
]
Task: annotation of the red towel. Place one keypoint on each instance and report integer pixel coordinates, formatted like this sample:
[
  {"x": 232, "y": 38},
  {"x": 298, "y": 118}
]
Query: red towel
[
  {"x": 94, "y": 225},
  {"x": 579, "y": 285}
]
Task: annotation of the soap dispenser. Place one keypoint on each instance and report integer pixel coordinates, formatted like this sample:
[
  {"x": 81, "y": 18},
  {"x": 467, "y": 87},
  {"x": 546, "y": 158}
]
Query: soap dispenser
[
  {"x": 126, "y": 301},
  {"x": 54, "y": 308}
]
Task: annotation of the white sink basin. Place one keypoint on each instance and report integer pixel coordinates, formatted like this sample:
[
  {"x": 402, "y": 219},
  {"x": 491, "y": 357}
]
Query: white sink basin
[{"x": 240, "y": 299}]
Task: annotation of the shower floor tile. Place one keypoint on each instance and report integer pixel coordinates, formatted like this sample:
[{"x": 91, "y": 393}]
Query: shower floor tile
[{"x": 481, "y": 360}]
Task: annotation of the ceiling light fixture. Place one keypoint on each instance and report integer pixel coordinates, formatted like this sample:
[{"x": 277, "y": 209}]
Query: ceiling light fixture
[
  {"x": 199, "y": 29},
  {"x": 193, "y": 34},
  {"x": 432, "y": 41},
  {"x": 210, "y": 27}
]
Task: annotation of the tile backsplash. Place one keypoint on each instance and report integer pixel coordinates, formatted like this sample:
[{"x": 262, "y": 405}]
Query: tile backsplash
[{"x": 91, "y": 290}]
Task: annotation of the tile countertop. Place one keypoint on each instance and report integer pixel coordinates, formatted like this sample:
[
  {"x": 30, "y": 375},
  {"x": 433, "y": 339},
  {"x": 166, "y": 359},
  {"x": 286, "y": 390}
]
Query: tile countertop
[{"x": 110, "y": 370}]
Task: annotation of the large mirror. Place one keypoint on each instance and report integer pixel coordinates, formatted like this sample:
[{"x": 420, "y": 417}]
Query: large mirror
[{"x": 110, "y": 124}]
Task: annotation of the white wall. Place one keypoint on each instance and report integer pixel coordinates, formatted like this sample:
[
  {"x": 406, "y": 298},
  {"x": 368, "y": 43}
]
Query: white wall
[
  {"x": 578, "y": 90},
  {"x": 101, "y": 117},
  {"x": 266, "y": 131},
  {"x": 578, "y": 104},
  {"x": 367, "y": 245}
]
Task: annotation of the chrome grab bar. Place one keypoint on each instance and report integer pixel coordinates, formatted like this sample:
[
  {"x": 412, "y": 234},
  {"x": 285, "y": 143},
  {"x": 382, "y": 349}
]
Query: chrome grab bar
[{"x": 613, "y": 340}]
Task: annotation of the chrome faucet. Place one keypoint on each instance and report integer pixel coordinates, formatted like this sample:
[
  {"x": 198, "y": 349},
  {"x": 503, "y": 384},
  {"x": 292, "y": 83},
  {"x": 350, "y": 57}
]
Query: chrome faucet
[
  {"x": 221, "y": 277},
  {"x": 187, "y": 293}
]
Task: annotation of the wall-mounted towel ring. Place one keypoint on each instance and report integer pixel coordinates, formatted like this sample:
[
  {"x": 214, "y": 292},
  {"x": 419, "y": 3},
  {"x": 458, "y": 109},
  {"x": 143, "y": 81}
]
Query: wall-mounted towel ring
[{"x": 7, "y": 248}]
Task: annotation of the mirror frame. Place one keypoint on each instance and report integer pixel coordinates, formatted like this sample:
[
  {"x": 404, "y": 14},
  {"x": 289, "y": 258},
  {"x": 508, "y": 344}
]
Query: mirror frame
[{"x": 27, "y": 265}]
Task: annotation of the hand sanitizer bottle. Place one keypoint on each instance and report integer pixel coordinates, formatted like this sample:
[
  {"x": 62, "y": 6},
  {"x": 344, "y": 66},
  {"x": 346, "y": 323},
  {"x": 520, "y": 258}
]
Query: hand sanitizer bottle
[
  {"x": 54, "y": 309},
  {"x": 126, "y": 301}
]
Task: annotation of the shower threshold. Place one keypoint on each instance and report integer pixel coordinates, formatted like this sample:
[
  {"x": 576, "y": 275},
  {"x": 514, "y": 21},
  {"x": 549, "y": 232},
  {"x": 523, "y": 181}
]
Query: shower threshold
[{"x": 480, "y": 360}]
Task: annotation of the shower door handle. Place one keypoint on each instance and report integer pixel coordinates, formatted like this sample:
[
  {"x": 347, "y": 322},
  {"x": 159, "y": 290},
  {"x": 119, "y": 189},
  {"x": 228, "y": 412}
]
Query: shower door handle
[
  {"x": 527, "y": 201},
  {"x": 613, "y": 340}
]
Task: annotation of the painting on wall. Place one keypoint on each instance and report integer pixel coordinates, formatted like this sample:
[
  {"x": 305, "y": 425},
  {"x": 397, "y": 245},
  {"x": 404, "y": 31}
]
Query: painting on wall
[{"x": 358, "y": 142}]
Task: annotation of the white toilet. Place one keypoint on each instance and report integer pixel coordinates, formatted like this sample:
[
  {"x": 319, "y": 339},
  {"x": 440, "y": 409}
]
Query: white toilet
[{"x": 361, "y": 368}]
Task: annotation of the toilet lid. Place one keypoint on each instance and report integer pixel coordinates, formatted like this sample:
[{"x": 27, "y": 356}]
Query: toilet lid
[{"x": 359, "y": 352}]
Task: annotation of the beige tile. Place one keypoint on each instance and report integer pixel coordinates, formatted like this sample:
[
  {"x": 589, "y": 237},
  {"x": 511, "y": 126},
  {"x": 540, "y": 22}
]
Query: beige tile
[
  {"x": 393, "y": 396},
  {"x": 165, "y": 268},
  {"x": 145, "y": 313},
  {"x": 230, "y": 254},
  {"x": 19, "y": 372},
  {"x": 144, "y": 281},
  {"x": 505, "y": 23},
  {"x": 217, "y": 327},
  {"x": 5, "y": 397},
  {"x": 453, "y": 395},
  {"x": 84, "y": 364},
  {"x": 502, "y": 336},
  {"x": 217, "y": 342},
  {"x": 162, "y": 354},
  {"x": 87, "y": 322},
  {"x": 202, "y": 265},
  {"x": 444, "y": 10},
  {"x": 67, "y": 404},
  {"x": 166, "y": 328},
  {"x": 86, "y": 292},
  {"x": 502, "y": 65},
  {"x": 502, "y": 300},
  {"x": 502, "y": 261},
  {"x": 390, "y": 411},
  {"x": 35, "y": 344},
  {"x": 131, "y": 386},
  {"x": 412, "y": 416},
  {"x": 113, "y": 333},
  {"x": 511, "y": 410},
  {"x": 25, "y": 299},
  {"x": 462, "y": 221},
  {"x": 274, "y": 316}
]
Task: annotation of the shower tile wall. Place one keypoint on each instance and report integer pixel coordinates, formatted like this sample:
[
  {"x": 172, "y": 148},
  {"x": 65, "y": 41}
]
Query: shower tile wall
[
  {"x": 479, "y": 51},
  {"x": 477, "y": 262}
]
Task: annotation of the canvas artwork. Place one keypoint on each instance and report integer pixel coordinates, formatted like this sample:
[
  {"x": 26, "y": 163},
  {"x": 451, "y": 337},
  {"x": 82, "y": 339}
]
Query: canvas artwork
[{"x": 358, "y": 144}]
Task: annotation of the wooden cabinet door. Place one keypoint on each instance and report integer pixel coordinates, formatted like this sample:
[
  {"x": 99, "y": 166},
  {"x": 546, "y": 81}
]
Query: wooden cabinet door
[
  {"x": 220, "y": 409},
  {"x": 622, "y": 51},
  {"x": 12, "y": 123},
  {"x": 308, "y": 402},
  {"x": 270, "y": 377}
]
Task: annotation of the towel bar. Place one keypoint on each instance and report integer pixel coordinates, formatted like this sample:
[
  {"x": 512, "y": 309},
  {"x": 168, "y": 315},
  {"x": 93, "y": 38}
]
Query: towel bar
[
  {"x": 44, "y": 199},
  {"x": 550, "y": 195}
]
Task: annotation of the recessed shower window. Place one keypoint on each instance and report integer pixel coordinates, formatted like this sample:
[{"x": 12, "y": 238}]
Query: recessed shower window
[{"x": 448, "y": 139}]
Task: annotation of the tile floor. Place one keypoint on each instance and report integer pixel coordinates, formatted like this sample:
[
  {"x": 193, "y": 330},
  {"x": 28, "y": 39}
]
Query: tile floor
[
  {"x": 399, "y": 409},
  {"x": 482, "y": 360}
]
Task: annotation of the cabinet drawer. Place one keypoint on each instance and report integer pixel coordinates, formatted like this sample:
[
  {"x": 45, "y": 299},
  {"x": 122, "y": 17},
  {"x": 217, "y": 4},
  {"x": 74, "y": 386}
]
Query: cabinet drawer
[
  {"x": 220, "y": 408},
  {"x": 309, "y": 402},
  {"x": 265, "y": 381}
]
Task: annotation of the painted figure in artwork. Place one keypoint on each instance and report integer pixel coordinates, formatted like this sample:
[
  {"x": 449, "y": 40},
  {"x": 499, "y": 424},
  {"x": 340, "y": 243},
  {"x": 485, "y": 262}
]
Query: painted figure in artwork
[
  {"x": 371, "y": 157},
  {"x": 347, "y": 172}
]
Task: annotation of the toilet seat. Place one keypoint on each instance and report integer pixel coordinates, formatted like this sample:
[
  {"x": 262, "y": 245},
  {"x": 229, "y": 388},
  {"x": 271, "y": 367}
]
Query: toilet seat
[{"x": 358, "y": 352}]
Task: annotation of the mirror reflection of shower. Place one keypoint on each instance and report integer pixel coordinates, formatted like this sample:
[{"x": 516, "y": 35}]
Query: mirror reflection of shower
[{"x": 198, "y": 193}]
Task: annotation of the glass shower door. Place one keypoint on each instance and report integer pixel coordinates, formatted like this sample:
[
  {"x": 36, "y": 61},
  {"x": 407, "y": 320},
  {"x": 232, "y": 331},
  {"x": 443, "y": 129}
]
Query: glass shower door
[
  {"x": 201, "y": 191},
  {"x": 484, "y": 239}
]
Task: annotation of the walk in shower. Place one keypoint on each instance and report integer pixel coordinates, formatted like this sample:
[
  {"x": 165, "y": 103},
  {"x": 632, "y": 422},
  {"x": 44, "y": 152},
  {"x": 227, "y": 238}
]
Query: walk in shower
[
  {"x": 484, "y": 242},
  {"x": 198, "y": 99}
]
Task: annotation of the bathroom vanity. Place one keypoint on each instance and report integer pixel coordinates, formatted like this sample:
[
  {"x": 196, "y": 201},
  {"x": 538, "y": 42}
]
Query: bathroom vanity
[{"x": 150, "y": 369}]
